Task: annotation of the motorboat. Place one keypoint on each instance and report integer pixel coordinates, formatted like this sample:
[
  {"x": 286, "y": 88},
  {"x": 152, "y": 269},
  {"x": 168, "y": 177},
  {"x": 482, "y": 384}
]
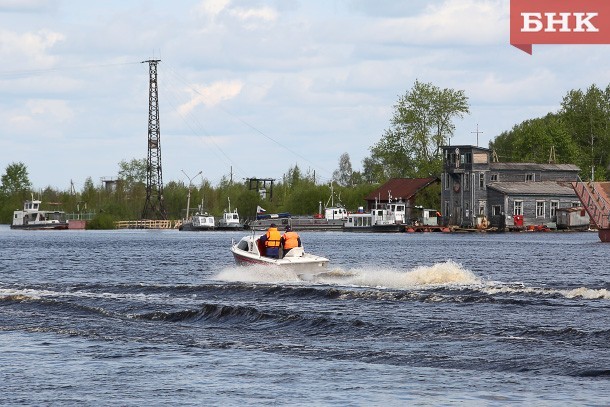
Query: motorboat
[
  {"x": 34, "y": 218},
  {"x": 249, "y": 251}
]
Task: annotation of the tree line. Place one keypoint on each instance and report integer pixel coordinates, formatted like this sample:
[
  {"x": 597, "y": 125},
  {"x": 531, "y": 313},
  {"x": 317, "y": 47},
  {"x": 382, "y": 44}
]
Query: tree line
[
  {"x": 423, "y": 121},
  {"x": 578, "y": 133}
]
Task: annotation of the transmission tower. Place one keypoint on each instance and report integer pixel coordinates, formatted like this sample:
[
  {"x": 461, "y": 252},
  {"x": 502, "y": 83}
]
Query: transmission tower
[{"x": 154, "y": 207}]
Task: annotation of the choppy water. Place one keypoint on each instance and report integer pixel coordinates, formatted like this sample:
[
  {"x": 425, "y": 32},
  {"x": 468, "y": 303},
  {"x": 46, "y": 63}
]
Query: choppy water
[{"x": 165, "y": 317}]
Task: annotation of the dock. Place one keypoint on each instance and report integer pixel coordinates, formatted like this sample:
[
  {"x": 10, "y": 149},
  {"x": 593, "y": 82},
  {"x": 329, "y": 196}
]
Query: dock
[{"x": 145, "y": 224}]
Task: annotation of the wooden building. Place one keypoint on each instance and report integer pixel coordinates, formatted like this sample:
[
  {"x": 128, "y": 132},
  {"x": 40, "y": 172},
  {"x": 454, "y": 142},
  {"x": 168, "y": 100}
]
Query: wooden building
[
  {"x": 397, "y": 191},
  {"x": 505, "y": 194}
]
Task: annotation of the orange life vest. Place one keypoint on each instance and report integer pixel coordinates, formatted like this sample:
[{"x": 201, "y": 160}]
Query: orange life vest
[
  {"x": 273, "y": 238},
  {"x": 291, "y": 239}
]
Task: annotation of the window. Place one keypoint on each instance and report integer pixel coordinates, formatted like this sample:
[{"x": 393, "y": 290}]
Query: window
[
  {"x": 447, "y": 208},
  {"x": 553, "y": 209},
  {"x": 446, "y": 181},
  {"x": 529, "y": 177},
  {"x": 482, "y": 207},
  {"x": 518, "y": 208},
  {"x": 482, "y": 180},
  {"x": 575, "y": 204},
  {"x": 493, "y": 178},
  {"x": 496, "y": 210},
  {"x": 466, "y": 182},
  {"x": 540, "y": 206}
]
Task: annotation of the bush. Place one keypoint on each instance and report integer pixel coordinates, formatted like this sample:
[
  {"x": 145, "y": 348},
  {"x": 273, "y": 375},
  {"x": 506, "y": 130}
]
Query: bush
[{"x": 101, "y": 221}]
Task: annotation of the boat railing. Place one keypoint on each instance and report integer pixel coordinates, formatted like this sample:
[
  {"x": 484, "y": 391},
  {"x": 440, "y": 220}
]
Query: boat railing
[
  {"x": 80, "y": 216},
  {"x": 144, "y": 224}
]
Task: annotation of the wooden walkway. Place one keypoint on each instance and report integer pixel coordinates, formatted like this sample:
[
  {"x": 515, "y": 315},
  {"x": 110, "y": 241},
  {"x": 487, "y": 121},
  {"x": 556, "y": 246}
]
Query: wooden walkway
[{"x": 145, "y": 224}]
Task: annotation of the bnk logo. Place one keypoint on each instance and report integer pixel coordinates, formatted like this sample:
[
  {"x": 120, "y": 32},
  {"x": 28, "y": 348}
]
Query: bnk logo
[{"x": 559, "y": 22}]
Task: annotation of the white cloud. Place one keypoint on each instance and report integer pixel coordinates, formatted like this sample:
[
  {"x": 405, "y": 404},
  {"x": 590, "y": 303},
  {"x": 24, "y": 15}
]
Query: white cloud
[
  {"x": 212, "y": 8},
  {"x": 450, "y": 22},
  {"x": 211, "y": 95},
  {"x": 251, "y": 15},
  {"x": 40, "y": 114},
  {"x": 29, "y": 49}
]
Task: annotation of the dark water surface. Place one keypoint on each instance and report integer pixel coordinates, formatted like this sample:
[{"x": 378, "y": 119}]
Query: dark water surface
[{"x": 165, "y": 317}]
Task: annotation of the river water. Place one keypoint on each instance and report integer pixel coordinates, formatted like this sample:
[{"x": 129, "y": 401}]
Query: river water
[{"x": 136, "y": 318}]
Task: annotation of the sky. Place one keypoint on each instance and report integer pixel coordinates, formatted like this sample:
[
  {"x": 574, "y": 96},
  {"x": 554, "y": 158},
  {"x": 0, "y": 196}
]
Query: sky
[{"x": 249, "y": 89}]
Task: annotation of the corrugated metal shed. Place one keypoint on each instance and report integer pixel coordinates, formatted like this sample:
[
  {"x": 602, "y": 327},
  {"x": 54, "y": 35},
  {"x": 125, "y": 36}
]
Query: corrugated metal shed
[
  {"x": 532, "y": 167},
  {"x": 404, "y": 188},
  {"x": 534, "y": 188}
]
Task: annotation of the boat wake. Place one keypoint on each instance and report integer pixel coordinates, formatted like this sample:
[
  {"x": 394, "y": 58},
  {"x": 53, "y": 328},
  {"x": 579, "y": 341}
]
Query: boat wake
[{"x": 443, "y": 274}]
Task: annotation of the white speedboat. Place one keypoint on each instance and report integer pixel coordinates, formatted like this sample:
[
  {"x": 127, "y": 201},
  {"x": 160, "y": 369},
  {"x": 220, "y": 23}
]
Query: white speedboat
[{"x": 248, "y": 251}]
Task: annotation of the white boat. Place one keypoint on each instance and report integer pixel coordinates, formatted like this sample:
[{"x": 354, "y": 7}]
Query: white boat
[
  {"x": 377, "y": 220},
  {"x": 198, "y": 222},
  {"x": 248, "y": 252},
  {"x": 230, "y": 220},
  {"x": 32, "y": 217}
]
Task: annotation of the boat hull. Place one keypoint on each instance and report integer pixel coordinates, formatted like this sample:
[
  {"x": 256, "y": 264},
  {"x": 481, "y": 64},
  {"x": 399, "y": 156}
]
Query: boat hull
[
  {"x": 392, "y": 228},
  {"x": 298, "y": 224},
  {"x": 230, "y": 226},
  {"x": 50, "y": 226},
  {"x": 190, "y": 228},
  {"x": 246, "y": 253}
]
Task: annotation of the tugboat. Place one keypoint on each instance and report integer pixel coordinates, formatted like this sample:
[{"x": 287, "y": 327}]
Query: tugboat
[
  {"x": 33, "y": 218},
  {"x": 229, "y": 220}
]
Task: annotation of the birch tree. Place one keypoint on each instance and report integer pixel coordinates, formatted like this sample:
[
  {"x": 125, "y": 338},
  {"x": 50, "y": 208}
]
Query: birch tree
[{"x": 422, "y": 122}]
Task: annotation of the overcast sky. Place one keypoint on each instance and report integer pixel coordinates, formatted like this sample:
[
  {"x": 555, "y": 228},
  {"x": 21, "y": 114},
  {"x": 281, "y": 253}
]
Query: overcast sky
[{"x": 255, "y": 87}]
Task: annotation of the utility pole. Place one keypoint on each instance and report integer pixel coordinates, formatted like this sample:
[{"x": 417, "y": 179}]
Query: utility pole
[
  {"x": 154, "y": 207},
  {"x": 477, "y": 133},
  {"x": 188, "y": 199}
]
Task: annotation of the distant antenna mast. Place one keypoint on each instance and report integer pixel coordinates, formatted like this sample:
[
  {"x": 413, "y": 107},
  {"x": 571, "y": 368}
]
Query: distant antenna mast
[
  {"x": 477, "y": 133},
  {"x": 154, "y": 207}
]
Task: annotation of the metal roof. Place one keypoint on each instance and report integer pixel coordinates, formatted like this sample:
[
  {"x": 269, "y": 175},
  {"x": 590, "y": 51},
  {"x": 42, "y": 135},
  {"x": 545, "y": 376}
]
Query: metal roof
[
  {"x": 404, "y": 188},
  {"x": 533, "y": 188},
  {"x": 533, "y": 167}
]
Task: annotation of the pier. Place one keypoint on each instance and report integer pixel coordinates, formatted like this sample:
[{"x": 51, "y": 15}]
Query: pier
[{"x": 145, "y": 224}]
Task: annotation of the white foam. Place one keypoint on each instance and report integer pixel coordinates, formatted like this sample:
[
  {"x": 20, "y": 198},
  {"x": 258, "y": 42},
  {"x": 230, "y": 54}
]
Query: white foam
[
  {"x": 258, "y": 274},
  {"x": 439, "y": 274},
  {"x": 581, "y": 292},
  {"x": 587, "y": 293},
  {"x": 447, "y": 273}
]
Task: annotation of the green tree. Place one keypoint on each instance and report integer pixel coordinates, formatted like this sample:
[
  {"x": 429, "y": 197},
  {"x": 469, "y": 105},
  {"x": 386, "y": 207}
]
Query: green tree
[
  {"x": 344, "y": 174},
  {"x": 534, "y": 141},
  {"x": 15, "y": 179},
  {"x": 422, "y": 122},
  {"x": 587, "y": 117},
  {"x": 133, "y": 172}
]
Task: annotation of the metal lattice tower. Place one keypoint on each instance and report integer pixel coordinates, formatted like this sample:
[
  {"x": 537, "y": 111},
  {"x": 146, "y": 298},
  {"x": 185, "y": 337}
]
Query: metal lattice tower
[{"x": 154, "y": 207}]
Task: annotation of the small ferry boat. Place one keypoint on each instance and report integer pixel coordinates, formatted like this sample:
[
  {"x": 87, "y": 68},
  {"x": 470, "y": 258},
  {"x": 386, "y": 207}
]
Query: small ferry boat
[
  {"x": 230, "y": 220},
  {"x": 32, "y": 217},
  {"x": 198, "y": 222},
  {"x": 377, "y": 220},
  {"x": 250, "y": 251}
]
